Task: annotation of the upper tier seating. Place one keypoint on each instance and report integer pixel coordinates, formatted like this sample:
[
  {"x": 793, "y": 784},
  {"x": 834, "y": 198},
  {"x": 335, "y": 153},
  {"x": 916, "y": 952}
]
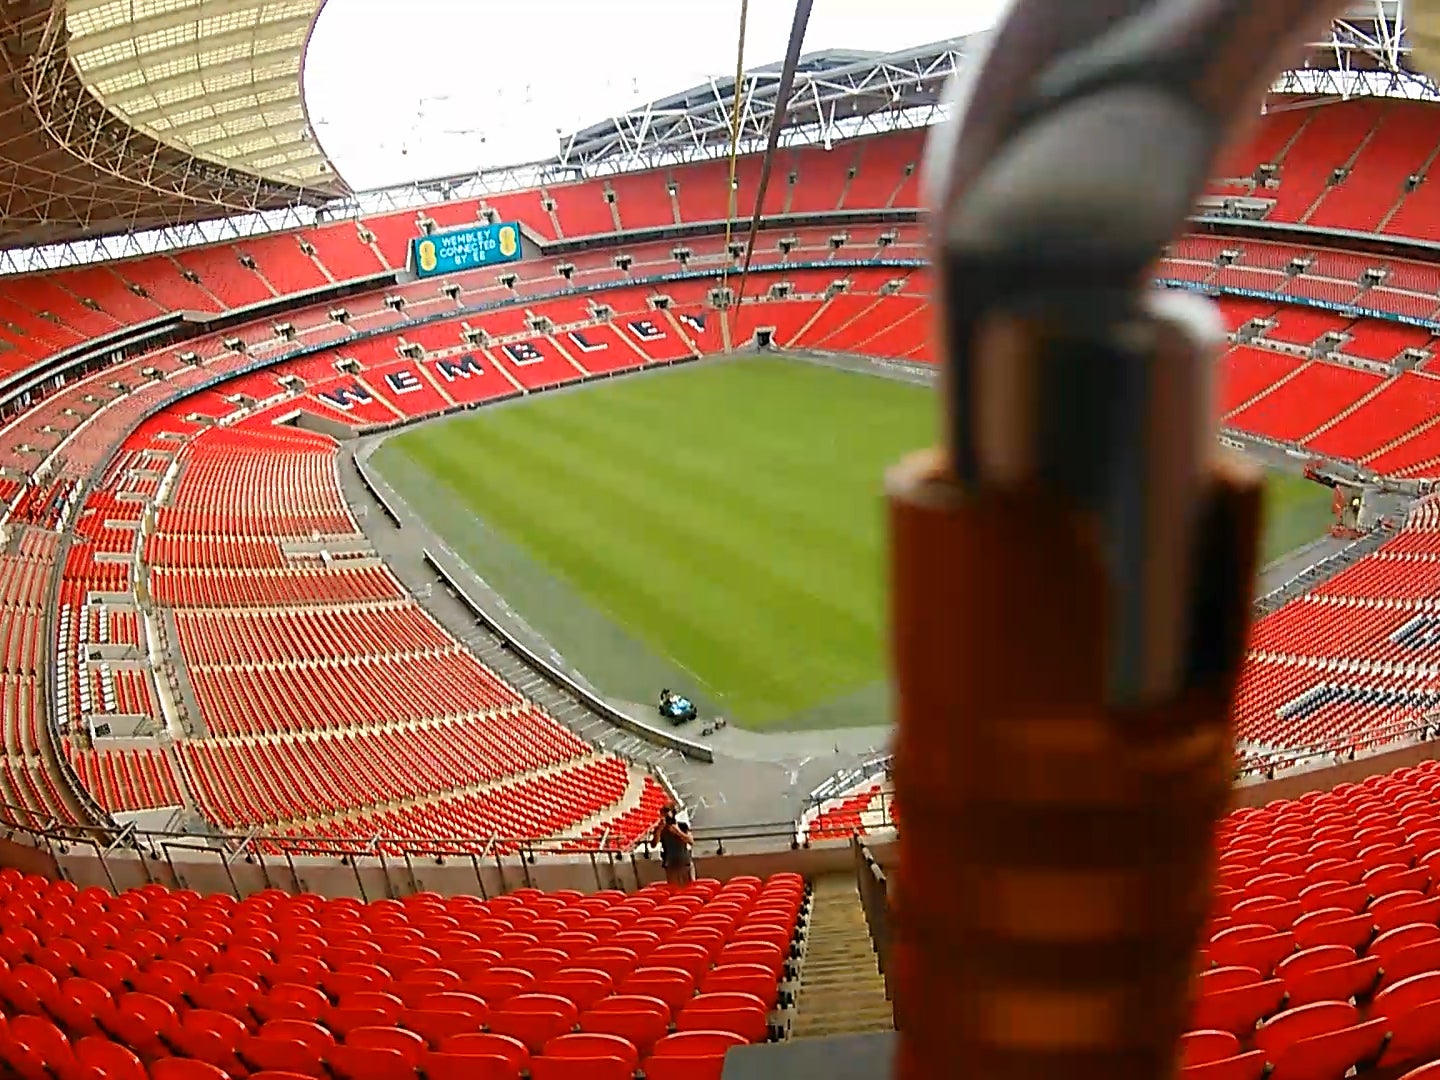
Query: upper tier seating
[
  {"x": 1342, "y": 166},
  {"x": 1372, "y": 146},
  {"x": 41, "y": 314},
  {"x": 174, "y": 984}
]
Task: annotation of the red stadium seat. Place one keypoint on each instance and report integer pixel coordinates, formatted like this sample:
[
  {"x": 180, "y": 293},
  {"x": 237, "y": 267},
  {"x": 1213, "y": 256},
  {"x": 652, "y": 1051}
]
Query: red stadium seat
[{"x": 1321, "y": 1041}]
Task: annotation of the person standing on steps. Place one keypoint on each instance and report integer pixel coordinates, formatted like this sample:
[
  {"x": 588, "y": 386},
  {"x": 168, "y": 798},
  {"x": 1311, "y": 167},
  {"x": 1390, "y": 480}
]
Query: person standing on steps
[{"x": 674, "y": 841}]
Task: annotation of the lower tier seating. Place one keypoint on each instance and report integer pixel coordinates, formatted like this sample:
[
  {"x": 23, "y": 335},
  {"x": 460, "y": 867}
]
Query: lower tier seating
[
  {"x": 869, "y": 807},
  {"x": 329, "y": 703},
  {"x": 172, "y": 985},
  {"x": 1354, "y": 661}
]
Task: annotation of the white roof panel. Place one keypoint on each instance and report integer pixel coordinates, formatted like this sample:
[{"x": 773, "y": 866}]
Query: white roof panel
[{"x": 219, "y": 79}]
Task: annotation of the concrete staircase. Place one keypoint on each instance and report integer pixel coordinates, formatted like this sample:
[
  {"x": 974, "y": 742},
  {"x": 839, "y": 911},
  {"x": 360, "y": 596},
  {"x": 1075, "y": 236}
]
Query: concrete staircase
[{"x": 841, "y": 991}]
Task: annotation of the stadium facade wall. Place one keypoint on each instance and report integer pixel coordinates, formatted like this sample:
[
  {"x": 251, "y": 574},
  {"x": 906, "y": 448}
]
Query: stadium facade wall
[
  {"x": 1299, "y": 782},
  {"x": 190, "y": 864}
]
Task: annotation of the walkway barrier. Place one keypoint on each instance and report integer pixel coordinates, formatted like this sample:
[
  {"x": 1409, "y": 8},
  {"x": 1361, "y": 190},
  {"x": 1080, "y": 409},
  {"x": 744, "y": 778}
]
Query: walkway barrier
[{"x": 696, "y": 751}]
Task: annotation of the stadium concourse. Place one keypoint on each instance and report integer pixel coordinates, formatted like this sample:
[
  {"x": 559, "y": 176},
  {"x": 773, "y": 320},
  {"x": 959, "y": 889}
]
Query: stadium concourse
[{"x": 275, "y": 809}]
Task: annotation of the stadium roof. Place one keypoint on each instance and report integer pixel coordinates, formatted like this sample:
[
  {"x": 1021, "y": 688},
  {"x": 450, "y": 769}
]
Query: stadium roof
[
  {"x": 219, "y": 80},
  {"x": 1369, "y": 38},
  {"x": 848, "y": 92},
  {"x": 836, "y": 92},
  {"x": 126, "y": 117},
  {"x": 108, "y": 125}
]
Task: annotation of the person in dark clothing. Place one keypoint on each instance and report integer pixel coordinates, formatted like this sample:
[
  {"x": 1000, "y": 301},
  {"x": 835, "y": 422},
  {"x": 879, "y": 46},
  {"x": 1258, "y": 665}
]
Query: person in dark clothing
[{"x": 674, "y": 841}]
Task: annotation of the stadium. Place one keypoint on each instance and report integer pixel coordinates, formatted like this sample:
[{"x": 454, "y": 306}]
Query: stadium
[{"x": 350, "y": 539}]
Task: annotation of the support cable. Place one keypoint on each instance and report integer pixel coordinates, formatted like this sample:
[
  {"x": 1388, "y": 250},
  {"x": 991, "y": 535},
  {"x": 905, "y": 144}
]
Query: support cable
[
  {"x": 777, "y": 122},
  {"x": 733, "y": 194}
]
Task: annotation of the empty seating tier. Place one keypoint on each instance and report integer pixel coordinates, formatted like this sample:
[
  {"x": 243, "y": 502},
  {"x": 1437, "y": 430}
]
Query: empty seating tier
[{"x": 328, "y": 702}]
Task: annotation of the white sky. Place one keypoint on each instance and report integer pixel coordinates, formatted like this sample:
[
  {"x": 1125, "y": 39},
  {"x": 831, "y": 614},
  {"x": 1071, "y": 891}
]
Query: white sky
[{"x": 405, "y": 91}]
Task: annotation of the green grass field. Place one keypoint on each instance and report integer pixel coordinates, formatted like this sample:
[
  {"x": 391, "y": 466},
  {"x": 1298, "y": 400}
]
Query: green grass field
[
  {"x": 1296, "y": 511},
  {"x": 716, "y": 529}
]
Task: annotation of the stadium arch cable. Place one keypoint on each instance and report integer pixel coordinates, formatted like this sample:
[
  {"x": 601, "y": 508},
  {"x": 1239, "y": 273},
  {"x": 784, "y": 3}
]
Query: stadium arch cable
[{"x": 1077, "y": 148}]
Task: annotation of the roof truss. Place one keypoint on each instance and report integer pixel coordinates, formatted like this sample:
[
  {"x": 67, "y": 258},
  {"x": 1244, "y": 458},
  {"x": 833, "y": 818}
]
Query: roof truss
[
  {"x": 189, "y": 74},
  {"x": 832, "y": 91},
  {"x": 838, "y": 94},
  {"x": 1365, "y": 53}
]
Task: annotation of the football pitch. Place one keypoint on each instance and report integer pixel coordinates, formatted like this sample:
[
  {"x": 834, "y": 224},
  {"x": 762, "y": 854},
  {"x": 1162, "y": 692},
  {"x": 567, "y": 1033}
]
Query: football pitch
[
  {"x": 1297, "y": 511},
  {"x": 716, "y": 529}
]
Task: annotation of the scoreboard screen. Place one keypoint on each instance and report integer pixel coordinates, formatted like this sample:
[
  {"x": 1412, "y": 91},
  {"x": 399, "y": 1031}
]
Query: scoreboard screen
[{"x": 455, "y": 250}]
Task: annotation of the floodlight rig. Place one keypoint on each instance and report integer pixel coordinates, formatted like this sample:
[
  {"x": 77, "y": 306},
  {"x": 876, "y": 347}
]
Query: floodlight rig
[{"x": 1071, "y": 571}]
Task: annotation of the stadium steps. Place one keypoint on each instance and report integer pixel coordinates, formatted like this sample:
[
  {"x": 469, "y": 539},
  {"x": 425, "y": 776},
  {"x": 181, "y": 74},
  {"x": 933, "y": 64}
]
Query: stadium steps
[
  {"x": 681, "y": 332},
  {"x": 437, "y": 384},
  {"x": 641, "y": 358},
  {"x": 266, "y": 281},
  {"x": 1423, "y": 172},
  {"x": 549, "y": 203},
  {"x": 1423, "y": 426},
  {"x": 923, "y": 310},
  {"x": 614, "y": 209},
  {"x": 382, "y": 400},
  {"x": 808, "y": 323},
  {"x": 1352, "y": 408},
  {"x": 314, "y": 257},
  {"x": 490, "y": 359},
  {"x": 183, "y": 697},
  {"x": 554, "y": 342},
  {"x": 374, "y": 246},
  {"x": 1268, "y": 390},
  {"x": 630, "y": 800},
  {"x": 1294, "y": 138},
  {"x": 841, "y": 990},
  {"x": 674, "y": 189},
  {"x": 560, "y": 704},
  {"x": 220, "y": 305},
  {"x": 1348, "y": 165},
  {"x": 895, "y": 194}
]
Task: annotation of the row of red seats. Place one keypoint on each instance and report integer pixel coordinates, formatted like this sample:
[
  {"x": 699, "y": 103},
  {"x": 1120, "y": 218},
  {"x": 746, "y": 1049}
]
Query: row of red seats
[
  {"x": 335, "y": 706},
  {"x": 127, "y": 779},
  {"x": 850, "y": 814},
  {"x": 311, "y": 778},
  {"x": 46, "y": 312},
  {"x": 41, "y": 314},
  {"x": 1374, "y": 145},
  {"x": 1323, "y": 950},
  {"x": 1349, "y": 661},
  {"x": 429, "y": 985}
]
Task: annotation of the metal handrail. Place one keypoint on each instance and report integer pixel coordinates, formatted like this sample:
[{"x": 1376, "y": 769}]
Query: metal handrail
[
  {"x": 260, "y": 846},
  {"x": 1360, "y": 742}
]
